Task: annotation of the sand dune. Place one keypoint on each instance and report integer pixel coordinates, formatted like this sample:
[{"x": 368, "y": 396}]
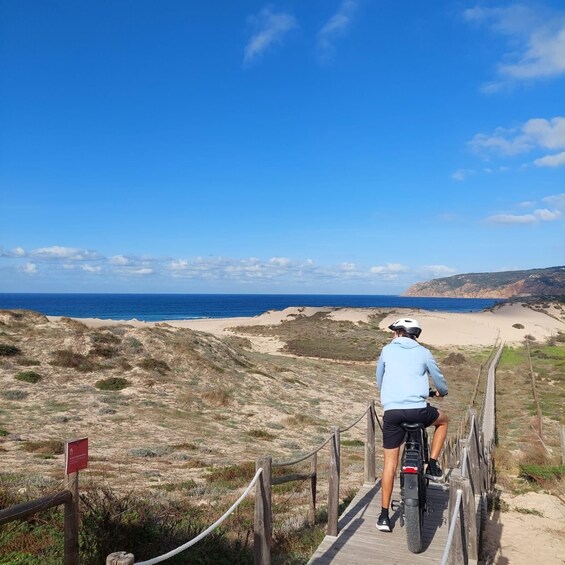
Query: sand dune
[{"x": 509, "y": 322}]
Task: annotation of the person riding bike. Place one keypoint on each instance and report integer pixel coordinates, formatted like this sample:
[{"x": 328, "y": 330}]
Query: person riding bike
[{"x": 402, "y": 379}]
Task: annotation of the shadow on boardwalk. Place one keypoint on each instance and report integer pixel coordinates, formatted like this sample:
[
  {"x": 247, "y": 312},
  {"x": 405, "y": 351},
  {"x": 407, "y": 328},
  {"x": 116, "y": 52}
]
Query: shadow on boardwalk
[{"x": 360, "y": 543}]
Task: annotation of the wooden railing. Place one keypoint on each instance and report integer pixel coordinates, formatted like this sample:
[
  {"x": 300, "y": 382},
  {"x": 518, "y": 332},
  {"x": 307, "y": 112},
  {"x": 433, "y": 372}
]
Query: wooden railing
[
  {"x": 264, "y": 480},
  {"x": 263, "y": 506},
  {"x": 471, "y": 481},
  {"x": 70, "y": 498}
]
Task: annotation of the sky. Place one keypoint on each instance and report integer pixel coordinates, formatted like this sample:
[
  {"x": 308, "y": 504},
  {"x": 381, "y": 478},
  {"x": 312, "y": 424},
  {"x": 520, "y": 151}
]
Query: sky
[{"x": 298, "y": 146}]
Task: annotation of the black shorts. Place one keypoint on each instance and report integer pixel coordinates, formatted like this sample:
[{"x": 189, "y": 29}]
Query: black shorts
[{"x": 393, "y": 434}]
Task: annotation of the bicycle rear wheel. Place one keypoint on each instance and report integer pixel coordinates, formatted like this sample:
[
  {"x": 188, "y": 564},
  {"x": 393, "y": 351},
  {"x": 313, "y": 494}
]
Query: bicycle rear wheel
[{"x": 413, "y": 518}]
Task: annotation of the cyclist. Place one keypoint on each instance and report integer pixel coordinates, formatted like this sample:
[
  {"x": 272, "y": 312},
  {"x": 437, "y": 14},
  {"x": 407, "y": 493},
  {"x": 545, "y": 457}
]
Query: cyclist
[{"x": 402, "y": 379}]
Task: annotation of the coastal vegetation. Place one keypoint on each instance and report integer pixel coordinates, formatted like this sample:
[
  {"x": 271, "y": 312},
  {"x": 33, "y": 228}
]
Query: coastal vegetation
[{"x": 176, "y": 418}]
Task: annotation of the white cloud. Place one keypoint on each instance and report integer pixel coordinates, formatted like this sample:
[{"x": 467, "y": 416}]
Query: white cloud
[
  {"x": 556, "y": 200},
  {"x": 119, "y": 260},
  {"x": 503, "y": 141},
  {"x": 29, "y": 268},
  {"x": 179, "y": 265},
  {"x": 439, "y": 270},
  {"x": 91, "y": 268},
  {"x": 335, "y": 27},
  {"x": 512, "y": 219},
  {"x": 280, "y": 261},
  {"x": 462, "y": 174},
  {"x": 536, "y": 41},
  {"x": 142, "y": 271},
  {"x": 549, "y": 134},
  {"x": 17, "y": 252},
  {"x": 69, "y": 253},
  {"x": 557, "y": 160},
  {"x": 270, "y": 28},
  {"x": 536, "y": 134},
  {"x": 389, "y": 268},
  {"x": 546, "y": 215},
  {"x": 541, "y": 215}
]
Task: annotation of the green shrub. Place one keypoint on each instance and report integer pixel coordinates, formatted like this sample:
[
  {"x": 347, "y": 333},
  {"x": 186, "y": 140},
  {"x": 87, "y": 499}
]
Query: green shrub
[
  {"x": 540, "y": 473},
  {"x": 25, "y": 362},
  {"x": 184, "y": 485},
  {"x": 261, "y": 434},
  {"x": 45, "y": 447},
  {"x": 352, "y": 443},
  {"x": 7, "y": 350},
  {"x": 232, "y": 476},
  {"x": 14, "y": 394},
  {"x": 101, "y": 338},
  {"x": 157, "y": 451},
  {"x": 72, "y": 360},
  {"x": 150, "y": 364},
  {"x": 112, "y": 383},
  {"x": 3, "y": 432},
  {"x": 29, "y": 376},
  {"x": 103, "y": 351}
]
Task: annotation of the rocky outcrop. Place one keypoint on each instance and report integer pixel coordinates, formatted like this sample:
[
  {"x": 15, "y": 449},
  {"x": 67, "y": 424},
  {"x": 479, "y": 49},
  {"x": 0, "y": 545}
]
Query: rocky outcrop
[{"x": 507, "y": 284}]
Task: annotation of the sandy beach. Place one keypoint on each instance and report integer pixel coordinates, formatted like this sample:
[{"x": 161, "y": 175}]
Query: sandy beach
[{"x": 509, "y": 322}]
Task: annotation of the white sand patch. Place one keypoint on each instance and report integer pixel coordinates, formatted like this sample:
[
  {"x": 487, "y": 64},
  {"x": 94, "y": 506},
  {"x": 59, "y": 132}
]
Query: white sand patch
[
  {"x": 439, "y": 328},
  {"x": 533, "y": 531}
]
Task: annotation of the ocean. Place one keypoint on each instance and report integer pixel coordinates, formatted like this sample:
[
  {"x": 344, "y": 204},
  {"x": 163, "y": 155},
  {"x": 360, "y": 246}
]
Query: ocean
[{"x": 158, "y": 307}]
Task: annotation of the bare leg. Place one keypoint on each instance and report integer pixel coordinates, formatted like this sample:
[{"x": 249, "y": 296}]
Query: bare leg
[
  {"x": 389, "y": 471},
  {"x": 440, "y": 434}
]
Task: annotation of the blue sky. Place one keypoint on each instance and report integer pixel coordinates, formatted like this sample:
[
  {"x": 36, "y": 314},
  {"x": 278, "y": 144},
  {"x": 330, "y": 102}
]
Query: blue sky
[{"x": 320, "y": 146}]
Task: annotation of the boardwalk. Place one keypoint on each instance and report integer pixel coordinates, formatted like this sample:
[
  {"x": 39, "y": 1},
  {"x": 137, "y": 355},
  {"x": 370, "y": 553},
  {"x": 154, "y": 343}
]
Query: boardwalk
[{"x": 360, "y": 543}]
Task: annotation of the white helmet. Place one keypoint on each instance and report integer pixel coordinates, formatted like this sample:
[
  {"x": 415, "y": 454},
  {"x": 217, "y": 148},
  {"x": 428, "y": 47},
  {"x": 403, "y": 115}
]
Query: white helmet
[{"x": 409, "y": 325}]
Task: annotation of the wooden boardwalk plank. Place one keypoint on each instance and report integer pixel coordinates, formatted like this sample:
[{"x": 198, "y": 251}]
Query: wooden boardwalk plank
[{"x": 360, "y": 543}]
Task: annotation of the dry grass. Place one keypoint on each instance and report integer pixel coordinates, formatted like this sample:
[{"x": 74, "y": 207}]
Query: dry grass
[{"x": 198, "y": 406}]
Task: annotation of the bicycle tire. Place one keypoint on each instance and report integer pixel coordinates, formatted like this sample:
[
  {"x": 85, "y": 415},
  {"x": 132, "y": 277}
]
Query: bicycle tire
[{"x": 413, "y": 519}]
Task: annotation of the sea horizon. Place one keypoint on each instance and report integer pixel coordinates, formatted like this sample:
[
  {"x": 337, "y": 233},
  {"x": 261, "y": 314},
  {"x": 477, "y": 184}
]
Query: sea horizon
[{"x": 154, "y": 307}]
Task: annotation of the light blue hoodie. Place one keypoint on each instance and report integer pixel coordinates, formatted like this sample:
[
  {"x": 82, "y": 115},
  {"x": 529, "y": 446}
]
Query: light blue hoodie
[{"x": 402, "y": 374}]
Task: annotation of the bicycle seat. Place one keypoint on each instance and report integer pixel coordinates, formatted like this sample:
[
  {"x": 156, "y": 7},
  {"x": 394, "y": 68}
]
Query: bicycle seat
[{"x": 412, "y": 427}]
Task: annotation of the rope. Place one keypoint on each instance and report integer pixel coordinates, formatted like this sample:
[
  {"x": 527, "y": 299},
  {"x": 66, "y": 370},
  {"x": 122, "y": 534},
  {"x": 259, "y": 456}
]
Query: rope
[
  {"x": 207, "y": 530},
  {"x": 295, "y": 461},
  {"x": 354, "y": 423},
  {"x": 304, "y": 457},
  {"x": 452, "y": 527}
]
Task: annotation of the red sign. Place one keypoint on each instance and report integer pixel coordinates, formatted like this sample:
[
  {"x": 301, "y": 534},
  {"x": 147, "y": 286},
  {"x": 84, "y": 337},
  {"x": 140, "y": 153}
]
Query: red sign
[{"x": 76, "y": 455}]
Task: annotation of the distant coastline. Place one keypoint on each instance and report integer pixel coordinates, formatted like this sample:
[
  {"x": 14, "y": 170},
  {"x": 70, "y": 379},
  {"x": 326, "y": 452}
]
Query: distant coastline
[{"x": 159, "y": 307}]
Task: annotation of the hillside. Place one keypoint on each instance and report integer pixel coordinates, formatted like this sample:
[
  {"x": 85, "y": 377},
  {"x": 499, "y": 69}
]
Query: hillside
[{"x": 506, "y": 284}]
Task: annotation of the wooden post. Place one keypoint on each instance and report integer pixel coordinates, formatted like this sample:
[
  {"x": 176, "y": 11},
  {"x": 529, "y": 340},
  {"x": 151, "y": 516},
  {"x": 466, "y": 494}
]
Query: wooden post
[
  {"x": 263, "y": 519},
  {"x": 120, "y": 558},
  {"x": 370, "y": 474},
  {"x": 333, "y": 483},
  {"x": 71, "y": 521},
  {"x": 313, "y": 486},
  {"x": 457, "y": 552},
  {"x": 470, "y": 521}
]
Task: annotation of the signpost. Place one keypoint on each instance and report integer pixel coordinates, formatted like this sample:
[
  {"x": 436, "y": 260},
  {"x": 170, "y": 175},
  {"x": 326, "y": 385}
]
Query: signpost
[
  {"x": 76, "y": 459},
  {"x": 76, "y": 455}
]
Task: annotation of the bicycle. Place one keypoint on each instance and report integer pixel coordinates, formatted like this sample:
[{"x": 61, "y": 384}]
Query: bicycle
[{"x": 413, "y": 482}]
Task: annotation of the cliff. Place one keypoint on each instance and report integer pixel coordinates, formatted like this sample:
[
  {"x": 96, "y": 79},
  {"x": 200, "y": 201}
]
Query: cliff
[{"x": 534, "y": 282}]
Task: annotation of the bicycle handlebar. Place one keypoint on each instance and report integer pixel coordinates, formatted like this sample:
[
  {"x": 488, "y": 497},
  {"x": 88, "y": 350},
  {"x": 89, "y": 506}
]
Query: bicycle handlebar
[{"x": 435, "y": 393}]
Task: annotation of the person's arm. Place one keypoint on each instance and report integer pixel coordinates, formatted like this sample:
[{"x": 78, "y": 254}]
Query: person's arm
[
  {"x": 380, "y": 371},
  {"x": 437, "y": 376}
]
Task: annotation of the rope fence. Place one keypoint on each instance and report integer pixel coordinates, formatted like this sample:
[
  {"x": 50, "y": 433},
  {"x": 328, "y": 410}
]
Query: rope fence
[
  {"x": 263, "y": 482},
  {"x": 128, "y": 557}
]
